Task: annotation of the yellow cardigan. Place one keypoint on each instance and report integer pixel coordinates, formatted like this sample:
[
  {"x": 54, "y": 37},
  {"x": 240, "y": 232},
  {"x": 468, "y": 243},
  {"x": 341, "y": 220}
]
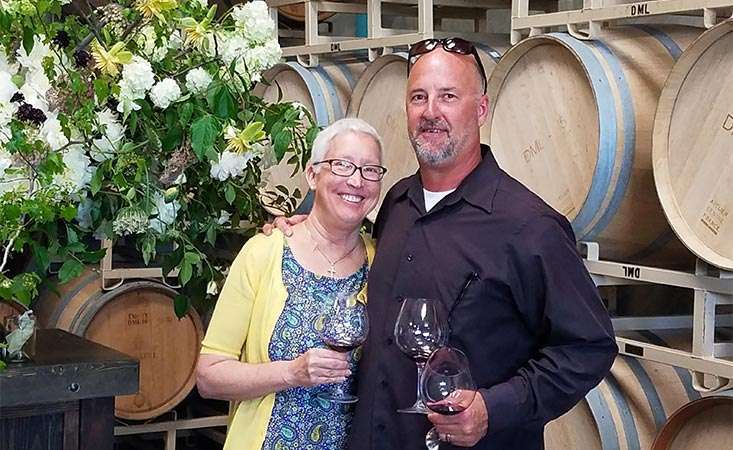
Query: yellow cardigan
[{"x": 249, "y": 305}]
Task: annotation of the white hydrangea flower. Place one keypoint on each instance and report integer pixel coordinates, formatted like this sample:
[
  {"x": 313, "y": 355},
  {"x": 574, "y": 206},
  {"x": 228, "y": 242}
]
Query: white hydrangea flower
[
  {"x": 137, "y": 79},
  {"x": 166, "y": 213},
  {"x": 197, "y": 80},
  {"x": 39, "y": 51},
  {"x": 253, "y": 20},
  {"x": 7, "y": 87},
  {"x": 35, "y": 88},
  {"x": 147, "y": 40},
  {"x": 261, "y": 58},
  {"x": 230, "y": 164},
  {"x": 6, "y": 115},
  {"x": 165, "y": 92},
  {"x": 78, "y": 172},
  {"x": 138, "y": 74},
  {"x": 112, "y": 134},
  {"x": 232, "y": 47},
  {"x": 52, "y": 133}
]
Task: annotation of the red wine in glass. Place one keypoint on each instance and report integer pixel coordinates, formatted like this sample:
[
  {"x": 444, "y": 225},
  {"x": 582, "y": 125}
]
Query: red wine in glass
[
  {"x": 344, "y": 326},
  {"x": 447, "y": 386}
]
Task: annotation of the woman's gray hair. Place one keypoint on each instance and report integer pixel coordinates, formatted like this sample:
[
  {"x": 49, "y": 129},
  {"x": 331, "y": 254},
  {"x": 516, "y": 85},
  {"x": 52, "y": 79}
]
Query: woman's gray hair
[{"x": 341, "y": 126}]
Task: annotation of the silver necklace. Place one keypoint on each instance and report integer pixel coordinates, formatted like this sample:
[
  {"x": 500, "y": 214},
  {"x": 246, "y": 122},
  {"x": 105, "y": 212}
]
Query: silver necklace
[{"x": 332, "y": 268}]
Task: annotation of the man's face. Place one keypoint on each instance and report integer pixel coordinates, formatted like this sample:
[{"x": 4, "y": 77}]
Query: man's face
[{"x": 445, "y": 106}]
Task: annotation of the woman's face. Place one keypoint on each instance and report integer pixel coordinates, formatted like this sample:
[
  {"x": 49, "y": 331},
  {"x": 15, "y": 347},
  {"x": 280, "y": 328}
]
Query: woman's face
[{"x": 347, "y": 200}]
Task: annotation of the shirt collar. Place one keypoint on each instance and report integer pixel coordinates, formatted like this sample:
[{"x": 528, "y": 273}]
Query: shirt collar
[{"x": 478, "y": 188}]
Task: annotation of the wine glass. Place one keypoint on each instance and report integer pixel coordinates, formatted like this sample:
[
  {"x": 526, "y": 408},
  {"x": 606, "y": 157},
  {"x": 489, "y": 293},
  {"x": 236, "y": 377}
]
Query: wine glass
[
  {"x": 343, "y": 326},
  {"x": 447, "y": 386},
  {"x": 420, "y": 329}
]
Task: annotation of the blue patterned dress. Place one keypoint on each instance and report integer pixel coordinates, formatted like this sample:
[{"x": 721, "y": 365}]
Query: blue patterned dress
[{"x": 300, "y": 420}]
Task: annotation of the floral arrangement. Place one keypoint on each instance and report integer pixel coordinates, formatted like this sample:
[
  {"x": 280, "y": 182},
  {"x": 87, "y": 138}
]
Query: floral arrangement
[{"x": 135, "y": 119}]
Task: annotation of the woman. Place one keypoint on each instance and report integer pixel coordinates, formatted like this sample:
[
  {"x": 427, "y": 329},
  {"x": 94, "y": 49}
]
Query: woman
[{"x": 261, "y": 350}]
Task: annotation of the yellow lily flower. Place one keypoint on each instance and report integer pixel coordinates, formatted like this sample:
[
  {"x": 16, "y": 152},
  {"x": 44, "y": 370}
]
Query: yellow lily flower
[
  {"x": 150, "y": 8},
  {"x": 107, "y": 61},
  {"x": 241, "y": 141},
  {"x": 196, "y": 33}
]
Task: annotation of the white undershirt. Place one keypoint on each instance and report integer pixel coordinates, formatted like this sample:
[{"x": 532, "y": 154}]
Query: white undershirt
[{"x": 432, "y": 198}]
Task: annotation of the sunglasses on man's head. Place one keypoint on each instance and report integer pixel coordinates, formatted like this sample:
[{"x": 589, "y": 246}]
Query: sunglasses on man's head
[{"x": 452, "y": 45}]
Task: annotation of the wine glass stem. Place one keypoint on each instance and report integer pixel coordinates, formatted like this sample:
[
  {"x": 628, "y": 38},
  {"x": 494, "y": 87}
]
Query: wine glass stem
[{"x": 420, "y": 366}]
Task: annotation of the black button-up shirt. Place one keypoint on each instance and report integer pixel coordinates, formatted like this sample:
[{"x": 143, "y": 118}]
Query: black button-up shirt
[{"x": 531, "y": 322}]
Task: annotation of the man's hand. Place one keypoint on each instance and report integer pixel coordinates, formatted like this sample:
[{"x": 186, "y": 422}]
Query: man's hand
[
  {"x": 466, "y": 428},
  {"x": 283, "y": 224}
]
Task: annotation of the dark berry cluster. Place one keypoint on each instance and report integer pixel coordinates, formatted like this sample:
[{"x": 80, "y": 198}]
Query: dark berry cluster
[
  {"x": 18, "y": 97},
  {"x": 82, "y": 58},
  {"x": 62, "y": 39},
  {"x": 28, "y": 113}
]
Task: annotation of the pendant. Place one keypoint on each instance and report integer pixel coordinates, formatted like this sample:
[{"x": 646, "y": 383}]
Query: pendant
[{"x": 332, "y": 272}]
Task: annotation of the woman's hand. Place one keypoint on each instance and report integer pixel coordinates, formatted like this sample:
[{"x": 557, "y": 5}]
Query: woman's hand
[
  {"x": 283, "y": 224},
  {"x": 318, "y": 366}
]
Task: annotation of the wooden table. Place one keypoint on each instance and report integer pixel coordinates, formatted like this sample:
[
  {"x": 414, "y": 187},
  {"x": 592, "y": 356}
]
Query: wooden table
[{"x": 64, "y": 397}]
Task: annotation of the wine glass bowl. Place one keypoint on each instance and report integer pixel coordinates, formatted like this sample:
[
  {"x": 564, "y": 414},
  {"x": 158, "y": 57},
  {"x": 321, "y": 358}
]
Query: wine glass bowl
[
  {"x": 446, "y": 386},
  {"x": 343, "y": 326},
  {"x": 419, "y": 330}
]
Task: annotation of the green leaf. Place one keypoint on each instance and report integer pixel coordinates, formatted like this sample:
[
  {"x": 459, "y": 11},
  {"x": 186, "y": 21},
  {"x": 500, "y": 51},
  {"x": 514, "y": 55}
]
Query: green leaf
[
  {"x": 130, "y": 194},
  {"x": 96, "y": 184},
  {"x": 71, "y": 235},
  {"x": 181, "y": 305},
  {"x": 203, "y": 135},
  {"x": 310, "y": 136},
  {"x": 101, "y": 90},
  {"x": 3, "y": 366},
  {"x": 28, "y": 40},
  {"x": 153, "y": 139},
  {"x": 229, "y": 194},
  {"x": 68, "y": 213},
  {"x": 70, "y": 270},
  {"x": 172, "y": 138},
  {"x": 185, "y": 272},
  {"x": 211, "y": 234},
  {"x": 41, "y": 255},
  {"x": 281, "y": 144},
  {"x": 185, "y": 111},
  {"x": 148, "y": 247},
  {"x": 192, "y": 257},
  {"x": 222, "y": 102}
]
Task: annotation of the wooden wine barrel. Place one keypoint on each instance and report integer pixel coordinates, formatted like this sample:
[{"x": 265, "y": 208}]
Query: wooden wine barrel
[
  {"x": 626, "y": 409},
  {"x": 296, "y": 13},
  {"x": 572, "y": 121},
  {"x": 705, "y": 424},
  {"x": 324, "y": 90},
  {"x": 379, "y": 99},
  {"x": 693, "y": 138},
  {"x": 137, "y": 319}
]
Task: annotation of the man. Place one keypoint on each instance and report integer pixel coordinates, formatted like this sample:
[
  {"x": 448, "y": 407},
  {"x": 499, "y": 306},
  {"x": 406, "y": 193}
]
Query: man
[{"x": 529, "y": 319}]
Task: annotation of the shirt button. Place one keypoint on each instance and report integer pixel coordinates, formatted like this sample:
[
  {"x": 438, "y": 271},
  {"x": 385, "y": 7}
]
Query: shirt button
[
  {"x": 410, "y": 258},
  {"x": 389, "y": 341},
  {"x": 381, "y": 427},
  {"x": 383, "y": 383}
]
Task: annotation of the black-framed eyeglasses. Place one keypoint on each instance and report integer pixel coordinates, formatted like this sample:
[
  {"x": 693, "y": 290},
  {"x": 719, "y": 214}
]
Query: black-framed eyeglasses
[
  {"x": 344, "y": 168},
  {"x": 453, "y": 45}
]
